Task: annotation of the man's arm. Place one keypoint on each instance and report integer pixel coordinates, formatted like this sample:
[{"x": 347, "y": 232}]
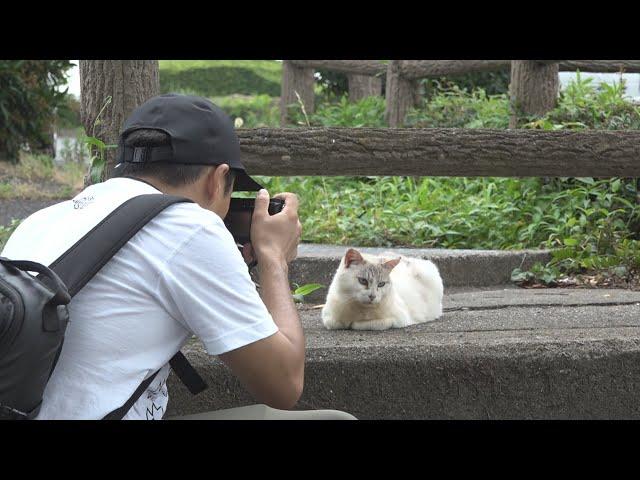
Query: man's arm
[{"x": 272, "y": 369}]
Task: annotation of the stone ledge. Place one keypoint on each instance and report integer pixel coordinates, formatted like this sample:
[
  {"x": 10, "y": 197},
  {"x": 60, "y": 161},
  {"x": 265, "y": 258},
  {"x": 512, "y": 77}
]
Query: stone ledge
[
  {"x": 458, "y": 268},
  {"x": 495, "y": 354}
]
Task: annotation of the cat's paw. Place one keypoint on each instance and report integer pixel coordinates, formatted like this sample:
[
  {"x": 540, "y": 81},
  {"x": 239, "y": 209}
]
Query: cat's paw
[
  {"x": 372, "y": 325},
  {"x": 401, "y": 323},
  {"x": 330, "y": 324}
]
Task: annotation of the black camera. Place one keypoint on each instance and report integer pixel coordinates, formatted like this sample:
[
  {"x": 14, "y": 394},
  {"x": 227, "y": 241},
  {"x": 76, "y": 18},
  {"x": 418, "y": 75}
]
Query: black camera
[{"x": 238, "y": 220}]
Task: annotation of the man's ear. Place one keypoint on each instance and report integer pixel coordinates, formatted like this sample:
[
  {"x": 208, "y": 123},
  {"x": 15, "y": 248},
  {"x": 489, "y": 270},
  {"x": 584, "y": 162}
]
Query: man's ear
[
  {"x": 352, "y": 256},
  {"x": 216, "y": 180}
]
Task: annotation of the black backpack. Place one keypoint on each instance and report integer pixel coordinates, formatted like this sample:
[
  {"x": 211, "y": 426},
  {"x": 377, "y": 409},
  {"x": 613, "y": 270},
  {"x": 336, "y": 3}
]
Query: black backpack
[{"x": 34, "y": 316}]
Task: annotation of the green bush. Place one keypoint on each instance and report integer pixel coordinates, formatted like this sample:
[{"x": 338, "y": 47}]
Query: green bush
[
  {"x": 367, "y": 112},
  {"x": 457, "y": 108},
  {"x": 255, "y": 112},
  {"x": 585, "y": 105},
  {"x": 493, "y": 83},
  {"x": 264, "y": 111},
  {"x": 28, "y": 97},
  {"x": 331, "y": 85},
  {"x": 68, "y": 113},
  {"x": 592, "y": 225},
  {"x": 335, "y": 84},
  {"x": 214, "y": 78}
]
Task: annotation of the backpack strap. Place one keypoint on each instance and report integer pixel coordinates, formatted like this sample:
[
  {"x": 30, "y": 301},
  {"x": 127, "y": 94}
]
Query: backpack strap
[
  {"x": 88, "y": 255},
  {"x": 119, "y": 413}
]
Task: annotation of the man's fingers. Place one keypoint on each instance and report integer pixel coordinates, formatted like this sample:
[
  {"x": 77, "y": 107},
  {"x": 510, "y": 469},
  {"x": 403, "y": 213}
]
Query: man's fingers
[
  {"x": 262, "y": 203},
  {"x": 291, "y": 201}
]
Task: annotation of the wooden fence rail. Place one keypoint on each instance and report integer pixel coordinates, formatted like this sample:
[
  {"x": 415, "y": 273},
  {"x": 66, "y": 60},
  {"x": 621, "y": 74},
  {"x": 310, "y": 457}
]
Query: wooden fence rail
[{"x": 440, "y": 152}]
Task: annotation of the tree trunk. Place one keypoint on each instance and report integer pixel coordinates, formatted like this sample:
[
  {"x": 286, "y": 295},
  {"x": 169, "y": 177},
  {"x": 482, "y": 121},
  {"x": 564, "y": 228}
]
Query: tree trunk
[
  {"x": 533, "y": 90},
  {"x": 445, "y": 152},
  {"x": 129, "y": 83},
  {"x": 296, "y": 80},
  {"x": 399, "y": 95},
  {"x": 363, "y": 86}
]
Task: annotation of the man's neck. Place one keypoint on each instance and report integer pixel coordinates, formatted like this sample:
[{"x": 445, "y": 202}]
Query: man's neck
[
  {"x": 170, "y": 190},
  {"x": 148, "y": 182}
]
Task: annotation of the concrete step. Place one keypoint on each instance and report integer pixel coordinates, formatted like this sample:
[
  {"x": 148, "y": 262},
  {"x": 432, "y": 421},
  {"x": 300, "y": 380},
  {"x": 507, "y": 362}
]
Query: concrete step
[
  {"x": 458, "y": 268},
  {"x": 497, "y": 353}
]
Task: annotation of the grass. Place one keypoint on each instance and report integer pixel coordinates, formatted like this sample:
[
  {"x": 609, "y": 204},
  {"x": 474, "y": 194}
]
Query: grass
[{"x": 38, "y": 177}]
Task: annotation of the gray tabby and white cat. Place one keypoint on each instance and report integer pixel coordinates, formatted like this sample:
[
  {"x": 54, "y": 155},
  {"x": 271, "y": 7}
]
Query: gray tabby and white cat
[{"x": 371, "y": 292}]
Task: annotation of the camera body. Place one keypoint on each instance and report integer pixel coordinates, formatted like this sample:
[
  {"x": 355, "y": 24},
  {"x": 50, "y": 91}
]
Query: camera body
[{"x": 238, "y": 220}]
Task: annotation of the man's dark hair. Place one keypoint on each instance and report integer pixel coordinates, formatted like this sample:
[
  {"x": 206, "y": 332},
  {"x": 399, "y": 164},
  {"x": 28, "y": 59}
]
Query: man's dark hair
[{"x": 173, "y": 174}]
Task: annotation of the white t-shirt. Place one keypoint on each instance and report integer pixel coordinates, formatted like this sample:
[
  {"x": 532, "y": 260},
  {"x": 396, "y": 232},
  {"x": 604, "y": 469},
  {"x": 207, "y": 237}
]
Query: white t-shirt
[{"x": 180, "y": 275}]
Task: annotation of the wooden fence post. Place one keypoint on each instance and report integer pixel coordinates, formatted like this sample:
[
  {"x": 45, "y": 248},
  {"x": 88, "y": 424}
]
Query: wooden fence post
[
  {"x": 362, "y": 86},
  {"x": 399, "y": 94},
  {"x": 533, "y": 89},
  {"x": 296, "y": 79}
]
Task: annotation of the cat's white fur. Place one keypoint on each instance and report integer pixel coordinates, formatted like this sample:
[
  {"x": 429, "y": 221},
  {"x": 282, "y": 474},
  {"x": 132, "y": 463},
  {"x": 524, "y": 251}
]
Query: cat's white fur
[{"x": 414, "y": 294}]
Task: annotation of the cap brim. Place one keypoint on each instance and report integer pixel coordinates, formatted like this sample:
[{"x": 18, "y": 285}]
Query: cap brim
[{"x": 244, "y": 183}]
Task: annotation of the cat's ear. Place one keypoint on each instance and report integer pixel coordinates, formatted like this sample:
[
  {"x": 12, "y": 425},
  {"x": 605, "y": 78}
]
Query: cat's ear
[
  {"x": 352, "y": 256},
  {"x": 391, "y": 264}
]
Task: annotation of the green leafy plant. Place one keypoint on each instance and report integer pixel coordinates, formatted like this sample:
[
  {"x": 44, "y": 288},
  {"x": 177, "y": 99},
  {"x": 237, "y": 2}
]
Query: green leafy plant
[
  {"x": 456, "y": 108},
  {"x": 367, "y": 112},
  {"x": 539, "y": 274},
  {"x": 98, "y": 148},
  {"x": 494, "y": 83},
  {"x": 301, "y": 291}
]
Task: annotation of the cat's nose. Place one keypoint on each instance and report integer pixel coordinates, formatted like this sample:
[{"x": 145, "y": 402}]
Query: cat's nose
[{"x": 372, "y": 297}]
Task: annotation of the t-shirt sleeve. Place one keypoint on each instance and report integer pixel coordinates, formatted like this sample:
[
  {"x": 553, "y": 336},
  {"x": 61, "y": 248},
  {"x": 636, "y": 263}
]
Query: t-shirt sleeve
[{"x": 206, "y": 286}]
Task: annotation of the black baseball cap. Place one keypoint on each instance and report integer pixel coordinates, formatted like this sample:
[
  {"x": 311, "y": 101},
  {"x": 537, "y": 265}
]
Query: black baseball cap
[{"x": 201, "y": 134}]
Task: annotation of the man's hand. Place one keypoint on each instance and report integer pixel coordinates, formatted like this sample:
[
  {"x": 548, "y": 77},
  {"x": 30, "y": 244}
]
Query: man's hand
[
  {"x": 272, "y": 369},
  {"x": 275, "y": 238}
]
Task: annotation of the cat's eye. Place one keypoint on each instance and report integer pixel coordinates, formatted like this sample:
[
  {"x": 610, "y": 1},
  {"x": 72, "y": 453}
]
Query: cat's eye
[
  {"x": 363, "y": 281},
  {"x": 382, "y": 284}
]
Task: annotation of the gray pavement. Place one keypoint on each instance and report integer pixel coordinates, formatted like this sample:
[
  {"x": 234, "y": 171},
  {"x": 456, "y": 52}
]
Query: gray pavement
[
  {"x": 501, "y": 353},
  {"x": 21, "y": 208}
]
